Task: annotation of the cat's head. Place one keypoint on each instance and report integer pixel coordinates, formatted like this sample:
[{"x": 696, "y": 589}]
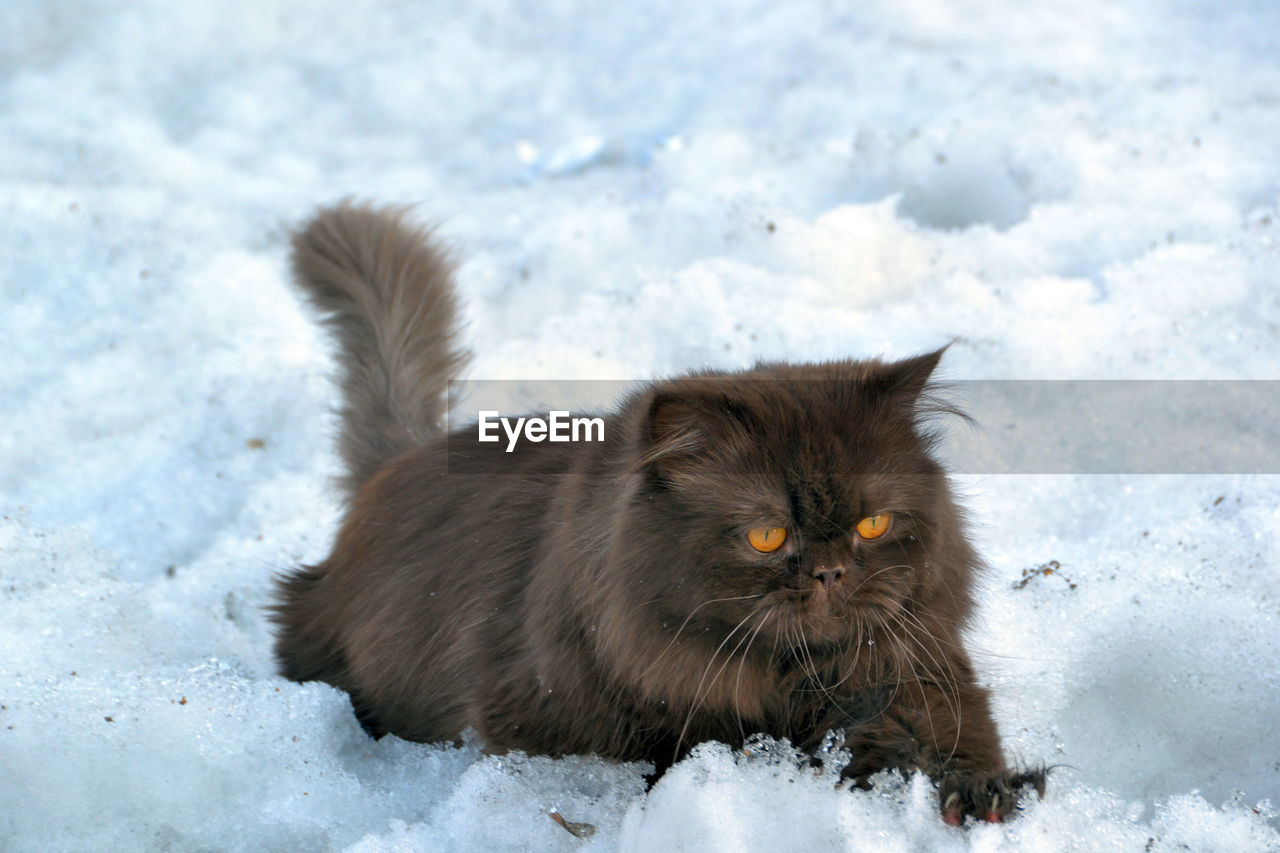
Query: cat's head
[{"x": 794, "y": 503}]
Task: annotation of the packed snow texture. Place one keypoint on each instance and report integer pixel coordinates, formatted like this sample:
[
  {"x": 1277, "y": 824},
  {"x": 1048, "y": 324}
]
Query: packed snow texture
[{"x": 1065, "y": 190}]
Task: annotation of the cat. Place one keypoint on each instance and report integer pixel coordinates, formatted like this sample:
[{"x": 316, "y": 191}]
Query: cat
[{"x": 768, "y": 551}]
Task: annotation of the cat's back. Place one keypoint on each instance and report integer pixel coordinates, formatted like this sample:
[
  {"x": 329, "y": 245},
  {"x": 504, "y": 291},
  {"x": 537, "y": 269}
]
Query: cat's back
[{"x": 422, "y": 604}]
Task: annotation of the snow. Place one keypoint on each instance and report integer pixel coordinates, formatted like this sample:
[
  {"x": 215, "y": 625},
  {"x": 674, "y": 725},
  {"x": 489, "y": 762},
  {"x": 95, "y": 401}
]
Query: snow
[{"x": 1086, "y": 190}]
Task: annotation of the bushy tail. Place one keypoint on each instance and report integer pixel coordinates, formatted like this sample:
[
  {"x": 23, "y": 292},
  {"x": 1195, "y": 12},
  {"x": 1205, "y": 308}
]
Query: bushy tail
[{"x": 387, "y": 294}]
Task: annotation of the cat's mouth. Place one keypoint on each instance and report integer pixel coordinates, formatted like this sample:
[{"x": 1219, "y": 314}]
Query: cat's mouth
[
  {"x": 823, "y": 598},
  {"x": 826, "y": 612},
  {"x": 814, "y": 611},
  {"x": 834, "y": 606}
]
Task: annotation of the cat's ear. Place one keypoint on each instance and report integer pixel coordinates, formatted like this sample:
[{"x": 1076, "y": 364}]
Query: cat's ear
[
  {"x": 906, "y": 380},
  {"x": 683, "y": 423},
  {"x": 674, "y": 428}
]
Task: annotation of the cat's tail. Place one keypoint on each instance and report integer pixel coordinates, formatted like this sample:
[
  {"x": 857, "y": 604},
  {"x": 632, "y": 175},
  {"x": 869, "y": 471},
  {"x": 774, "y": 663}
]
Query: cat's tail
[{"x": 387, "y": 295}]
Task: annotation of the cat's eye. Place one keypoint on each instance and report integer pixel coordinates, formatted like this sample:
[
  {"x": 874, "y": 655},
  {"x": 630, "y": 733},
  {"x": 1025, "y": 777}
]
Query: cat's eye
[
  {"x": 767, "y": 539},
  {"x": 874, "y": 526}
]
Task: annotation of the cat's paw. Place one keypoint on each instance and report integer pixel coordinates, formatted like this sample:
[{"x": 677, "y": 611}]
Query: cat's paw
[{"x": 986, "y": 796}]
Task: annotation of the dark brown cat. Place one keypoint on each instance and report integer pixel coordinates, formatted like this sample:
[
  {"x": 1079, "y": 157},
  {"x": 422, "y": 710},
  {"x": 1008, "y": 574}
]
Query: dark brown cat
[{"x": 767, "y": 551}]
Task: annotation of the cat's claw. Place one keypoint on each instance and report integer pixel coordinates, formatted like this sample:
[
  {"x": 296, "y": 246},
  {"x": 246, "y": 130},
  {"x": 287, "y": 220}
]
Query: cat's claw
[
  {"x": 993, "y": 813},
  {"x": 951, "y": 810},
  {"x": 990, "y": 797}
]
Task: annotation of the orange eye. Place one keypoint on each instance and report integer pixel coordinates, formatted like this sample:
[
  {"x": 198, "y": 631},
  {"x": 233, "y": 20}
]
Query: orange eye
[
  {"x": 874, "y": 526},
  {"x": 767, "y": 539}
]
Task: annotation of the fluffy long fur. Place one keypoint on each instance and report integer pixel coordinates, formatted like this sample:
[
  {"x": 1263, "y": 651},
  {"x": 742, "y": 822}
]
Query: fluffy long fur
[{"x": 385, "y": 292}]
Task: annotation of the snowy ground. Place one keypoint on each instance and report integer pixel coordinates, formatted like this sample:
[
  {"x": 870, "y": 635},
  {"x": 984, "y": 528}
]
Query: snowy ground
[{"x": 1084, "y": 189}]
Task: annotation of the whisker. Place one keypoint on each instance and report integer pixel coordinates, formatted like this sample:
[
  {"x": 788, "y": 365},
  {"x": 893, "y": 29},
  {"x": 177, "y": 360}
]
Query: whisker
[
  {"x": 950, "y": 685},
  {"x": 697, "y": 693},
  {"x": 737, "y": 687},
  {"x": 685, "y": 624},
  {"x": 950, "y": 691},
  {"x": 863, "y": 582}
]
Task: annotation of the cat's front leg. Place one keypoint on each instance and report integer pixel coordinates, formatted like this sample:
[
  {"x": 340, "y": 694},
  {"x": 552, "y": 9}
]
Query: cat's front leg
[{"x": 944, "y": 730}]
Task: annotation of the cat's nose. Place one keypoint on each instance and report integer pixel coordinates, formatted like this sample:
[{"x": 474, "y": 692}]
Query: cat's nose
[{"x": 828, "y": 576}]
